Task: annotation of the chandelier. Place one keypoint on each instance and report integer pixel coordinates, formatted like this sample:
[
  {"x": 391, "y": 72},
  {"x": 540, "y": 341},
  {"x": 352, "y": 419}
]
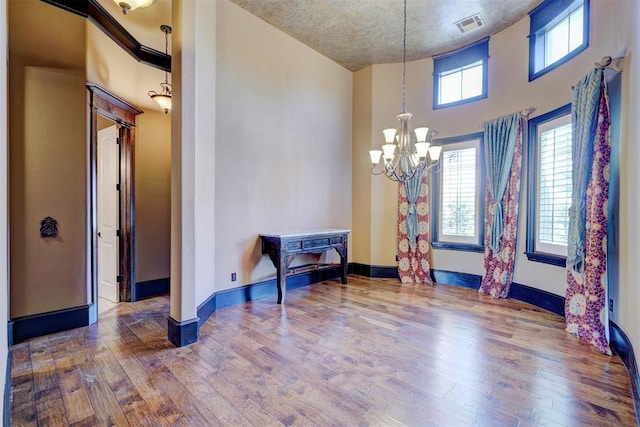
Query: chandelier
[
  {"x": 405, "y": 153},
  {"x": 164, "y": 98},
  {"x": 128, "y": 5}
]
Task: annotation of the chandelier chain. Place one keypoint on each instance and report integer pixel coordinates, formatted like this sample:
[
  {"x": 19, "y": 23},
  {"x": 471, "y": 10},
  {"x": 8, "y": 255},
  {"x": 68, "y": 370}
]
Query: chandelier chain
[
  {"x": 407, "y": 153},
  {"x": 166, "y": 51},
  {"x": 404, "y": 61}
]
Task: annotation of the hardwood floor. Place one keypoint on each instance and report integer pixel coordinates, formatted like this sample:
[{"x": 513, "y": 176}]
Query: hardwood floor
[{"x": 372, "y": 352}]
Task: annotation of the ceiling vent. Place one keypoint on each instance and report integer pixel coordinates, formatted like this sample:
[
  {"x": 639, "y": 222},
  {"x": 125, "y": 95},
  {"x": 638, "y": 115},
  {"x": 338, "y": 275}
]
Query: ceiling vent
[{"x": 469, "y": 23}]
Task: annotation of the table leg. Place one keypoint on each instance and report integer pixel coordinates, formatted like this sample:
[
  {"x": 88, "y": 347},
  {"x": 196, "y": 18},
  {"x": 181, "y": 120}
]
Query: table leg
[
  {"x": 281, "y": 281},
  {"x": 343, "y": 263}
]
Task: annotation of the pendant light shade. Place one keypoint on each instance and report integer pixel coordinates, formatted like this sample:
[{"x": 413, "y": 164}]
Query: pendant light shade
[
  {"x": 163, "y": 99},
  {"x": 128, "y": 5}
]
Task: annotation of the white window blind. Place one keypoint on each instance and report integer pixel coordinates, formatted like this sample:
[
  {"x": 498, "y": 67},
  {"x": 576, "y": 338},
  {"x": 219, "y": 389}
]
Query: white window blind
[
  {"x": 458, "y": 195},
  {"x": 554, "y": 185}
]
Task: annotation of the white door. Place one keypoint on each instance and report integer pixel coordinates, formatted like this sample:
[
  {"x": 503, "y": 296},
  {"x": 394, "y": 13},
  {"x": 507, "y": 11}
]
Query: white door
[{"x": 108, "y": 213}]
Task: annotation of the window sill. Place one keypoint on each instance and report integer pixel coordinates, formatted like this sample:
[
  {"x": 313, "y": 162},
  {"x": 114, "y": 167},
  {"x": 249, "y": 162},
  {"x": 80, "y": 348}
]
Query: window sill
[
  {"x": 543, "y": 258},
  {"x": 461, "y": 102},
  {"x": 457, "y": 246},
  {"x": 535, "y": 74}
]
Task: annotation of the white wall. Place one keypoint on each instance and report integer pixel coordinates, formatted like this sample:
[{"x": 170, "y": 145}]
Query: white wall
[
  {"x": 613, "y": 32},
  {"x": 283, "y": 142}
]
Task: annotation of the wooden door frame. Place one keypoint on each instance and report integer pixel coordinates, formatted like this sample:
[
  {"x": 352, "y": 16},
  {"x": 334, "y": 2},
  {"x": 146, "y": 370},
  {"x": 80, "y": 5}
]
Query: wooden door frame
[{"x": 106, "y": 104}]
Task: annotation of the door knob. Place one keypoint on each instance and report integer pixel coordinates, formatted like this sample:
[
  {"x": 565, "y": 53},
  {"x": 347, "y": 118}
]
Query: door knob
[{"x": 99, "y": 235}]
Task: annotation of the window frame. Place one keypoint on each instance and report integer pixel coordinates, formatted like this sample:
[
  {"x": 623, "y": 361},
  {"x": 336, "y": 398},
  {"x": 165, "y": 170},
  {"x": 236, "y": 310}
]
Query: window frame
[
  {"x": 435, "y": 196},
  {"x": 532, "y": 183},
  {"x": 544, "y": 17},
  {"x": 458, "y": 60}
]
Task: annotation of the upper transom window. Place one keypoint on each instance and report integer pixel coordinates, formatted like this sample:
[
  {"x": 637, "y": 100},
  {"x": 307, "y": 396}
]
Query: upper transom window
[
  {"x": 559, "y": 31},
  {"x": 461, "y": 76}
]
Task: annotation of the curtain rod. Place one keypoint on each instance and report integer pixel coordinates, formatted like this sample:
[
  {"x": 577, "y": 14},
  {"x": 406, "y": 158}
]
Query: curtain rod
[
  {"x": 523, "y": 113},
  {"x": 608, "y": 63}
]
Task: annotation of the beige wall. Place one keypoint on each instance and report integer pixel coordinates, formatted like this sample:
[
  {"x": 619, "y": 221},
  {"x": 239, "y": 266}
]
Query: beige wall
[
  {"x": 613, "y": 30},
  {"x": 624, "y": 30},
  {"x": 153, "y": 196},
  {"x": 361, "y": 178},
  {"x": 47, "y": 157},
  {"x": 53, "y": 53},
  {"x": 109, "y": 66},
  {"x": 193, "y": 151},
  {"x": 283, "y": 142}
]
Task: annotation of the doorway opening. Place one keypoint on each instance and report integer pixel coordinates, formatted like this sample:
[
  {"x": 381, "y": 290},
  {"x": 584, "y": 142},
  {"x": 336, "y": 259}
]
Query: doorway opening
[
  {"x": 108, "y": 214},
  {"x": 111, "y": 198}
]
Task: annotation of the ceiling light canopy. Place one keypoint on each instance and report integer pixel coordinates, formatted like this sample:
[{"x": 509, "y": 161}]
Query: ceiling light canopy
[{"x": 128, "y": 5}]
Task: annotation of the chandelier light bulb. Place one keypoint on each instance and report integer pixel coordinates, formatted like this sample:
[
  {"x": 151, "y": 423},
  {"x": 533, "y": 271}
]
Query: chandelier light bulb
[
  {"x": 375, "y": 156},
  {"x": 421, "y": 134},
  {"x": 389, "y": 135}
]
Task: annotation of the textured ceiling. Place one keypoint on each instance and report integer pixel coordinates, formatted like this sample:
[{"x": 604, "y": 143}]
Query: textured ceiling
[{"x": 358, "y": 33}]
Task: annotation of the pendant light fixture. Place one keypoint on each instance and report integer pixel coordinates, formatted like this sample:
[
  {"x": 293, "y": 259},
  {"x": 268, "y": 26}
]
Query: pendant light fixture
[
  {"x": 128, "y": 5},
  {"x": 405, "y": 152},
  {"x": 164, "y": 98}
]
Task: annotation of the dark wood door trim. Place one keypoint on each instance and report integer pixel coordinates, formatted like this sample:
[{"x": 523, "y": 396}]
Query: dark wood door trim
[{"x": 106, "y": 104}]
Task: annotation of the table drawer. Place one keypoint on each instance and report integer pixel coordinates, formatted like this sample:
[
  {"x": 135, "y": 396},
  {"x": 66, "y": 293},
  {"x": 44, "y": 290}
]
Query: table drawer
[{"x": 315, "y": 243}]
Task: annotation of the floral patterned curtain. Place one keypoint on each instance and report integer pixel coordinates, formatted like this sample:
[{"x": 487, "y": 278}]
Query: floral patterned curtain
[
  {"x": 501, "y": 216},
  {"x": 585, "y": 304},
  {"x": 414, "y": 262}
]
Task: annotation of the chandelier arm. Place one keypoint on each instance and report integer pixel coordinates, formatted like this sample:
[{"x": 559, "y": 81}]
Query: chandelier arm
[{"x": 376, "y": 170}]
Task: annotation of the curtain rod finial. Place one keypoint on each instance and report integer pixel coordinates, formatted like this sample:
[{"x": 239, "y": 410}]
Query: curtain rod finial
[{"x": 610, "y": 63}]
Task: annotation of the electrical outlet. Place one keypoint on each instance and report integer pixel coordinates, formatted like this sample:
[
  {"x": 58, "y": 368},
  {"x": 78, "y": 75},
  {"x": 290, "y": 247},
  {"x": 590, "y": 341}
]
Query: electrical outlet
[
  {"x": 610, "y": 304},
  {"x": 233, "y": 277}
]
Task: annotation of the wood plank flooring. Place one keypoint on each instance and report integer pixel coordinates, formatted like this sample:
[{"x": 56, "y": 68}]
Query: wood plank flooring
[{"x": 372, "y": 352}]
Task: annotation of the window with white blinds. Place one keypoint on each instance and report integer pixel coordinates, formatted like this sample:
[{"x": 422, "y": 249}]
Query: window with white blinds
[
  {"x": 458, "y": 209},
  {"x": 554, "y": 185},
  {"x": 550, "y": 165}
]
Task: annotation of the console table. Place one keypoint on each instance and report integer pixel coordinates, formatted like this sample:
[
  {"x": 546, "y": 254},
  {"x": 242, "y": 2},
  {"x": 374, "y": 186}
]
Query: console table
[{"x": 282, "y": 248}]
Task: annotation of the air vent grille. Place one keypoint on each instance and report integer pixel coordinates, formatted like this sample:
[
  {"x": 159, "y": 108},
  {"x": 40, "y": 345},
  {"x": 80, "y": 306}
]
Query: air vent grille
[{"x": 469, "y": 23}]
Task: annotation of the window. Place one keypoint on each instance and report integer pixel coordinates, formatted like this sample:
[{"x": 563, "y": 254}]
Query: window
[
  {"x": 458, "y": 196},
  {"x": 559, "y": 31},
  {"x": 461, "y": 76},
  {"x": 549, "y": 198}
]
